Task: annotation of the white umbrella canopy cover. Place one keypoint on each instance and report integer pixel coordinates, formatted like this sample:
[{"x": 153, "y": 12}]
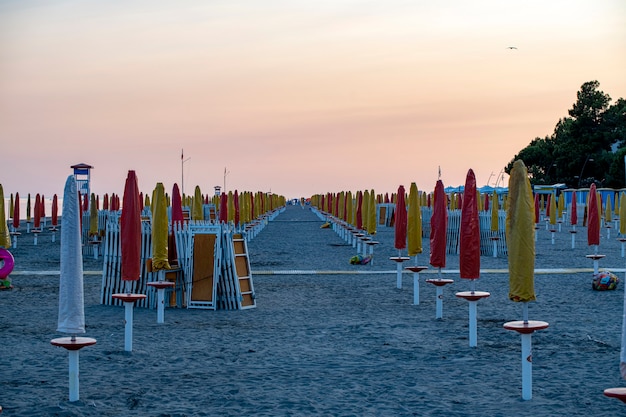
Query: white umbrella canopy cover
[{"x": 71, "y": 302}]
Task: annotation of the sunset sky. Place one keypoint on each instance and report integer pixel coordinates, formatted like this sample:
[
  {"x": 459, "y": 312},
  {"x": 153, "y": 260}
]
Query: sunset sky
[{"x": 294, "y": 97}]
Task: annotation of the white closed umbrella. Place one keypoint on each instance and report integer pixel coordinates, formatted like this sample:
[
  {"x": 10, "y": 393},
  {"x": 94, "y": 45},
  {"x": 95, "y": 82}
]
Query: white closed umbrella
[{"x": 71, "y": 301}]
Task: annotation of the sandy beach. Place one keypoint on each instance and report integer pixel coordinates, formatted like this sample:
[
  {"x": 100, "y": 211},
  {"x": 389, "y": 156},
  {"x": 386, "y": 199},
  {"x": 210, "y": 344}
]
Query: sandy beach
[{"x": 346, "y": 343}]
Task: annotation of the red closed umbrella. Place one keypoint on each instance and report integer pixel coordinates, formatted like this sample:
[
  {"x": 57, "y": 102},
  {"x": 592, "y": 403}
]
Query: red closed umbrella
[
  {"x": 359, "y": 210},
  {"x": 177, "y": 205},
  {"x": 130, "y": 230},
  {"x": 438, "y": 227},
  {"x": 16, "y": 212},
  {"x": 43, "y": 208},
  {"x": 593, "y": 218},
  {"x": 223, "y": 208},
  {"x": 469, "y": 257},
  {"x": 37, "y": 218},
  {"x": 438, "y": 230},
  {"x": 401, "y": 221},
  {"x": 130, "y": 237},
  {"x": 55, "y": 211}
]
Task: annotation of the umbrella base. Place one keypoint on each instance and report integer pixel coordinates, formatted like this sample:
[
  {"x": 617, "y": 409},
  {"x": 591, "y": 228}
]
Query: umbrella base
[
  {"x": 75, "y": 343},
  {"x": 526, "y": 327},
  {"x": 440, "y": 282},
  {"x": 619, "y": 393},
  {"x": 472, "y": 295}
]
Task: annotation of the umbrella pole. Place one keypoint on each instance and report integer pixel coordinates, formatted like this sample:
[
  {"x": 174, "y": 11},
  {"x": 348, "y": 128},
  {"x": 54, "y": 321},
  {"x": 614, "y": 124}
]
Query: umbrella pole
[
  {"x": 439, "y": 294},
  {"x": 128, "y": 328},
  {"x": 527, "y": 364},
  {"x": 73, "y": 375},
  {"x": 527, "y": 367},
  {"x": 399, "y": 271}
]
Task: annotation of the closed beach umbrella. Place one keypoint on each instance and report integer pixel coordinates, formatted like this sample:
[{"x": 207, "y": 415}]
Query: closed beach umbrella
[
  {"x": 414, "y": 222},
  {"x": 93, "y": 216},
  {"x": 236, "y": 211},
  {"x": 349, "y": 209},
  {"x": 593, "y": 218},
  {"x": 37, "y": 213},
  {"x": 469, "y": 239},
  {"x": 537, "y": 208},
  {"x": 130, "y": 230},
  {"x": 159, "y": 230},
  {"x": 16, "y": 212},
  {"x": 359, "y": 210},
  {"x": 574, "y": 214},
  {"x": 608, "y": 209},
  {"x": 553, "y": 211},
  {"x": 223, "y": 208},
  {"x": 561, "y": 205},
  {"x": 438, "y": 227},
  {"x": 495, "y": 220},
  {"x": 622, "y": 214},
  {"x": 11, "y": 204},
  {"x": 5, "y": 238},
  {"x": 521, "y": 247},
  {"x": 401, "y": 221},
  {"x": 196, "y": 211},
  {"x": 469, "y": 254},
  {"x": 365, "y": 204},
  {"x": 71, "y": 303},
  {"x": 371, "y": 214},
  {"x": 520, "y": 235},
  {"x": 28, "y": 209},
  {"x": 231, "y": 207},
  {"x": 130, "y": 236},
  {"x": 177, "y": 206},
  {"x": 55, "y": 211}
]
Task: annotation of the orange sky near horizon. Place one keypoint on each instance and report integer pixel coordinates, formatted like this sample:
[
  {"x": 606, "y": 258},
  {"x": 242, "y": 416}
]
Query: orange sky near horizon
[{"x": 293, "y": 97}]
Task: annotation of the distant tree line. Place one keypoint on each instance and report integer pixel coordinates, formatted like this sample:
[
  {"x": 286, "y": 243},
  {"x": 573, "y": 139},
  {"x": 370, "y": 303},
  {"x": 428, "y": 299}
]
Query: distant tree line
[{"x": 586, "y": 147}]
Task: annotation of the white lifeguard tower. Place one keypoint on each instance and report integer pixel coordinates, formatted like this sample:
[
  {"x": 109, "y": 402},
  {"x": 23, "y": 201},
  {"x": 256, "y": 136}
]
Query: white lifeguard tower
[{"x": 82, "y": 174}]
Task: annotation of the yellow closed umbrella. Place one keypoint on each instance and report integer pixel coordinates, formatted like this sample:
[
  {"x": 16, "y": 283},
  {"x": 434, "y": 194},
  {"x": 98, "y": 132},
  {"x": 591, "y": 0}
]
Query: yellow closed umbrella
[
  {"x": 414, "y": 223},
  {"x": 93, "y": 216},
  {"x": 159, "y": 230},
  {"x": 561, "y": 205},
  {"x": 371, "y": 214},
  {"x": 5, "y": 238},
  {"x": 365, "y": 203},
  {"x": 520, "y": 231},
  {"x": 231, "y": 207},
  {"x": 495, "y": 226},
  {"x": 196, "y": 210},
  {"x": 349, "y": 209},
  {"x": 520, "y": 225}
]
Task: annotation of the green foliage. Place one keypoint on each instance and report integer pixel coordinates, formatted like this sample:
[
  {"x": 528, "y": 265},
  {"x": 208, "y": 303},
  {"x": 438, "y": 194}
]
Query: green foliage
[{"x": 586, "y": 147}]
